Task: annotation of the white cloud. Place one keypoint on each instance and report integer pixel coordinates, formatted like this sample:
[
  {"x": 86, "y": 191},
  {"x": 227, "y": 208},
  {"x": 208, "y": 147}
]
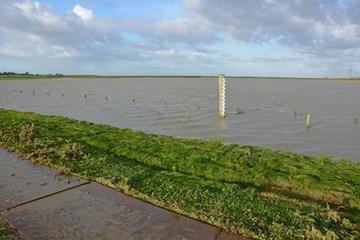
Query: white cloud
[
  {"x": 83, "y": 13},
  {"x": 40, "y": 15},
  {"x": 34, "y": 29},
  {"x": 305, "y": 23},
  {"x": 63, "y": 52},
  {"x": 167, "y": 53},
  {"x": 12, "y": 50},
  {"x": 346, "y": 31},
  {"x": 185, "y": 30}
]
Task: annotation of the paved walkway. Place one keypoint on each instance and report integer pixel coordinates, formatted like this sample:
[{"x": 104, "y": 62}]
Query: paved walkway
[{"x": 43, "y": 205}]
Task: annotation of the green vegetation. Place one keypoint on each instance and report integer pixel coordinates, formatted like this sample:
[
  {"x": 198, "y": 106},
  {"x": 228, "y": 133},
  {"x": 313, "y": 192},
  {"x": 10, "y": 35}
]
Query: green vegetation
[
  {"x": 26, "y": 75},
  {"x": 253, "y": 191},
  {"x": 57, "y": 76},
  {"x": 34, "y": 77},
  {"x": 30, "y": 76},
  {"x": 8, "y": 233}
]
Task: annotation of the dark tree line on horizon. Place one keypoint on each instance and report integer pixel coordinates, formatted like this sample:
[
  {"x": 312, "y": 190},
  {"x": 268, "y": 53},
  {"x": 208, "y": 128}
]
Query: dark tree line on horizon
[{"x": 27, "y": 74}]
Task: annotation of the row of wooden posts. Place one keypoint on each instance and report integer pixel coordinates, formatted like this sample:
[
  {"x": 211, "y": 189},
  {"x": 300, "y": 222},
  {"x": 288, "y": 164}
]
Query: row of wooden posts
[
  {"x": 222, "y": 101},
  {"x": 62, "y": 95}
]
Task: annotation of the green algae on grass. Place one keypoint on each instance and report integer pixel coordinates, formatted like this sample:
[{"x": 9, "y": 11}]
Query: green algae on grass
[{"x": 253, "y": 191}]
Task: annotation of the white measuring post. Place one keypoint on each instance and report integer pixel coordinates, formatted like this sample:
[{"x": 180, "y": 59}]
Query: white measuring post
[{"x": 222, "y": 95}]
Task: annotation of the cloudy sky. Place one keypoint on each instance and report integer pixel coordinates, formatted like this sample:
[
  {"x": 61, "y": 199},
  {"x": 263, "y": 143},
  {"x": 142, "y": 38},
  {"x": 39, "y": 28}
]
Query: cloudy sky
[{"x": 309, "y": 38}]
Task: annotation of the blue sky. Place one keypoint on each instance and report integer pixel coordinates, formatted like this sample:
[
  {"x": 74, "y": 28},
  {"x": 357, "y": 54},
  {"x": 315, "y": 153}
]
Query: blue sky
[{"x": 294, "y": 38}]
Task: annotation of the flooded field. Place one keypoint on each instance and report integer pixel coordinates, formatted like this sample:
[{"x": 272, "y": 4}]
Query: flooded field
[{"x": 188, "y": 107}]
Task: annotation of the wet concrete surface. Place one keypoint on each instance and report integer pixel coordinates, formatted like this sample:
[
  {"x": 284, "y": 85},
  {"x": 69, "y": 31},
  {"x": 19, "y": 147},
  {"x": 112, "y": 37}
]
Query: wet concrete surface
[
  {"x": 22, "y": 181},
  {"x": 43, "y": 207}
]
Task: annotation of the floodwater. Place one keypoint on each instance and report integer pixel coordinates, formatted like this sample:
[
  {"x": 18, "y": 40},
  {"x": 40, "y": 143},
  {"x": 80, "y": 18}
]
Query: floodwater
[{"x": 188, "y": 107}]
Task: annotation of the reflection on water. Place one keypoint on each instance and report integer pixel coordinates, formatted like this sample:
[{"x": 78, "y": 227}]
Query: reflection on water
[
  {"x": 259, "y": 111},
  {"x": 222, "y": 124}
]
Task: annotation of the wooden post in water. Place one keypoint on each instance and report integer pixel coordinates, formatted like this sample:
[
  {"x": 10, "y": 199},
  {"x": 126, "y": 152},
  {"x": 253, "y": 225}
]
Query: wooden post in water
[
  {"x": 308, "y": 121},
  {"x": 222, "y": 95}
]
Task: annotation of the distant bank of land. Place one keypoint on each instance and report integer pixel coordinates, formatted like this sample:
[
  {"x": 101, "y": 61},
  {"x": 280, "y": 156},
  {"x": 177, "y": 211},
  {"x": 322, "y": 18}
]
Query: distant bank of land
[
  {"x": 26, "y": 75},
  {"x": 56, "y": 76}
]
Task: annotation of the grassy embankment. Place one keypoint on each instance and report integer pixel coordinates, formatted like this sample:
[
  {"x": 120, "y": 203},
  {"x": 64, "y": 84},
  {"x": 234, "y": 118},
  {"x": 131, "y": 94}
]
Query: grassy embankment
[{"x": 254, "y": 191}]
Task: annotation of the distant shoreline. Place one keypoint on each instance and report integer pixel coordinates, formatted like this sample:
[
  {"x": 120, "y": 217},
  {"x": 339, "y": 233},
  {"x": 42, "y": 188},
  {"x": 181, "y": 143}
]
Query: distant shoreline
[{"x": 48, "y": 77}]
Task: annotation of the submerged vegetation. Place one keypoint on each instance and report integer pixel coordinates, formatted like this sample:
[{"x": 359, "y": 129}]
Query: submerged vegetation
[{"x": 256, "y": 192}]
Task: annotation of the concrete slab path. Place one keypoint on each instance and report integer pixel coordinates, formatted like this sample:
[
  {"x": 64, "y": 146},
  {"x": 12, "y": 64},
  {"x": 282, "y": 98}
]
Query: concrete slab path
[{"x": 43, "y": 205}]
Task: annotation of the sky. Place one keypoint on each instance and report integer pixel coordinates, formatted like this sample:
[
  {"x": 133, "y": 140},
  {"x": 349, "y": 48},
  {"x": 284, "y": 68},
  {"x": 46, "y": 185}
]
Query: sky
[{"x": 284, "y": 38}]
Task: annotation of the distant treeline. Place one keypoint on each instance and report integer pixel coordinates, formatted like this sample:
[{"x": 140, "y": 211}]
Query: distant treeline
[
  {"x": 14, "y": 75},
  {"x": 28, "y": 74}
]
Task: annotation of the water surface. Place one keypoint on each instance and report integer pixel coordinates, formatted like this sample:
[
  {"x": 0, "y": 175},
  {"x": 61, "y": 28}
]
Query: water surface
[{"x": 188, "y": 107}]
